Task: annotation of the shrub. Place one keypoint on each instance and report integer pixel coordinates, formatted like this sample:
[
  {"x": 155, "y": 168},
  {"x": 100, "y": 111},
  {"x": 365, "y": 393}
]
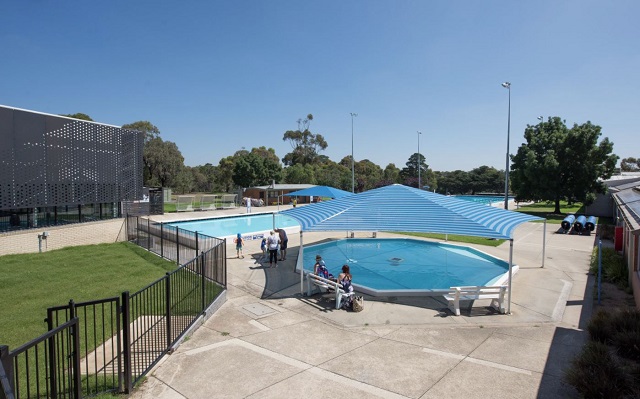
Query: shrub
[
  {"x": 628, "y": 344},
  {"x": 625, "y": 324},
  {"x": 597, "y": 373},
  {"x": 600, "y": 328},
  {"x": 614, "y": 270}
]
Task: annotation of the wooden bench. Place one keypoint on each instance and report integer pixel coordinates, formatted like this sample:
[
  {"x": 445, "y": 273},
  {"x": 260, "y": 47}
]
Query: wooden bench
[
  {"x": 316, "y": 282},
  {"x": 457, "y": 294}
]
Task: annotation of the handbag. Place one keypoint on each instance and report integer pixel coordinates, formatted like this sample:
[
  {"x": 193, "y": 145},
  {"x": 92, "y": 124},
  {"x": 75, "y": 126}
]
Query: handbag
[{"x": 358, "y": 303}]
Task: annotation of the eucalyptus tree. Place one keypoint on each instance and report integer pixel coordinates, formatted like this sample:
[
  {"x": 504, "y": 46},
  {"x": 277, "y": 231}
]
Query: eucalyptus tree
[
  {"x": 150, "y": 130},
  {"x": 630, "y": 164},
  {"x": 162, "y": 161},
  {"x": 79, "y": 115},
  {"x": 305, "y": 145}
]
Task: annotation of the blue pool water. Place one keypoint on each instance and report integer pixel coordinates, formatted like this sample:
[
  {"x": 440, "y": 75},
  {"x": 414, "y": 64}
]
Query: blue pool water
[
  {"x": 483, "y": 199},
  {"x": 396, "y": 265},
  {"x": 230, "y": 226}
]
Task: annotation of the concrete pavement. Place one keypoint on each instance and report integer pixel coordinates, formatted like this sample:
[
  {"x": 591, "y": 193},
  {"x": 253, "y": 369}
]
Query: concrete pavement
[{"x": 268, "y": 341}]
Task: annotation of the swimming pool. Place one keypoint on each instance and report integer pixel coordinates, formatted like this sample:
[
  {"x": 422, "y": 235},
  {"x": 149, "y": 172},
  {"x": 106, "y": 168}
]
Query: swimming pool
[
  {"x": 398, "y": 266},
  {"x": 250, "y": 226},
  {"x": 483, "y": 199}
]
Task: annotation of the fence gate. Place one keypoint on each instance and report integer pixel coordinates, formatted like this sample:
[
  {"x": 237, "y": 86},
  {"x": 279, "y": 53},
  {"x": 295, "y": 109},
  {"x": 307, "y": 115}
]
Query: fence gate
[
  {"x": 45, "y": 367},
  {"x": 101, "y": 342}
]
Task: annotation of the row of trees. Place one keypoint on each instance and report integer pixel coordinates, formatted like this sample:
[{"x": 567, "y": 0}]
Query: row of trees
[{"x": 555, "y": 163}]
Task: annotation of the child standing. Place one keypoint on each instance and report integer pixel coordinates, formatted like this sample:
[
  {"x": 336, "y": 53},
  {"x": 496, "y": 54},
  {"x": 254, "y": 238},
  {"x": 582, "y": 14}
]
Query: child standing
[
  {"x": 263, "y": 247},
  {"x": 239, "y": 241}
]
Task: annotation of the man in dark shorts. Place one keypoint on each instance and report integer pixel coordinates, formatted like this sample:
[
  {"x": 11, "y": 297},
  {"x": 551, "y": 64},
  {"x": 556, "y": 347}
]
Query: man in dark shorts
[{"x": 284, "y": 240}]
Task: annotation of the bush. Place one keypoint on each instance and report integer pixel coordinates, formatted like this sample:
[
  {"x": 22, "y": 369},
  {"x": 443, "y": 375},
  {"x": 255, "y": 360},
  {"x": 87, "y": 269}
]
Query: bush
[
  {"x": 609, "y": 365},
  {"x": 597, "y": 373},
  {"x": 614, "y": 270},
  {"x": 600, "y": 327},
  {"x": 628, "y": 344}
]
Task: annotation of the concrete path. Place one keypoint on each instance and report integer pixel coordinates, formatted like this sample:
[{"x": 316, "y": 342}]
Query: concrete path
[{"x": 268, "y": 341}]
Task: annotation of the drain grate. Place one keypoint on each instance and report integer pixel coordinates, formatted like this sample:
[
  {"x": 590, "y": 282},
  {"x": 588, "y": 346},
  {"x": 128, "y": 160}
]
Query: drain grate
[
  {"x": 258, "y": 309},
  {"x": 395, "y": 261}
]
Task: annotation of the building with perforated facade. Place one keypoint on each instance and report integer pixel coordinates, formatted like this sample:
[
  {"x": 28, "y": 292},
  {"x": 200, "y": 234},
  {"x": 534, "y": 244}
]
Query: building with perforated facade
[{"x": 56, "y": 170}]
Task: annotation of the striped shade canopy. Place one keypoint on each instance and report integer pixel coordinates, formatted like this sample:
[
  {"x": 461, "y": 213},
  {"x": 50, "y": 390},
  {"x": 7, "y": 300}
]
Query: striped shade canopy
[
  {"x": 320, "y": 191},
  {"x": 402, "y": 208}
]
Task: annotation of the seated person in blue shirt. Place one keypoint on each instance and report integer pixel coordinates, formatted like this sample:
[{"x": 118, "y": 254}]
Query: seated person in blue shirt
[{"x": 320, "y": 269}]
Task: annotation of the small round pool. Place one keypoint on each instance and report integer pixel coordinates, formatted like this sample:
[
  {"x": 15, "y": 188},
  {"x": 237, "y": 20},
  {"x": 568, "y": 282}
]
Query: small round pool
[{"x": 398, "y": 266}]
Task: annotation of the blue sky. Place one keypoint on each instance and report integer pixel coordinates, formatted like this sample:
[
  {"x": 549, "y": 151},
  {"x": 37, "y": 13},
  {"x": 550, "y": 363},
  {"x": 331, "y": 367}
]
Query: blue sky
[{"x": 216, "y": 76}]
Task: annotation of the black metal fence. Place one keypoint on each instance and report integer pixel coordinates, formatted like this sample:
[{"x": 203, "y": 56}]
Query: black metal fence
[
  {"x": 46, "y": 367},
  {"x": 101, "y": 343},
  {"x": 121, "y": 338},
  {"x": 169, "y": 242}
]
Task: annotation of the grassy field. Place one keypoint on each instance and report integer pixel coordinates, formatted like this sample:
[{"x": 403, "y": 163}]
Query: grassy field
[
  {"x": 545, "y": 210},
  {"x": 456, "y": 238},
  {"x": 31, "y": 283}
]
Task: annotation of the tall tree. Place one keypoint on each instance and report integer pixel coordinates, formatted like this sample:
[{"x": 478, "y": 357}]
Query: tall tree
[
  {"x": 79, "y": 115},
  {"x": 390, "y": 175},
  {"x": 630, "y": 164},
  {"x": 185, "y": 181},
  {"x": 333, "y": 175},
  {"x": 206, "y": 182},
  {"x": 368, "y": 175},
  {"x": 409, "y": 174},
  {"x": 224, "y": 174},
  {"x": 299, "y": 174},
  {"x": 259, "y": 167},
  {"x": 557, "y": 163},
  {"x": 150, "y": 130},
  {"x": 455, "y": 183},
  {"x": 306, "y": 145},
  {"x": 162, "y": 163},
  {"x": 486, "y": 179}
]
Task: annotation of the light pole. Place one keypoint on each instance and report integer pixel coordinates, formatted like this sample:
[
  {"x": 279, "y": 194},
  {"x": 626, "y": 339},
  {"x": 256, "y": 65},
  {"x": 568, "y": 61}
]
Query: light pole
[
  {"x": 540, "y": 118},
  {"x": 507, "y": 85},
  {"x": 353, "y": 171},
  {"x": 419, "y": 162}
]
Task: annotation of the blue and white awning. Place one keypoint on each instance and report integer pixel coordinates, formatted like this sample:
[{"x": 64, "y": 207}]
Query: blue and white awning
[
  {"x": 320, "y": 191},
  {"x": 402, "y": 208}
]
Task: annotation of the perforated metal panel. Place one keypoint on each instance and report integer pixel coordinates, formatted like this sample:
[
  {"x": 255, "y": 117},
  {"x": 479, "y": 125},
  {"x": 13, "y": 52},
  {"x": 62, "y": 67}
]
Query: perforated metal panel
[{"x": 47, "y": 160}]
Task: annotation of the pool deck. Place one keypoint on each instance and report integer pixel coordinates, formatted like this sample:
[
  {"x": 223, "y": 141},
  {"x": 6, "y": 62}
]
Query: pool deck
[{"x": 269, "y": 341}]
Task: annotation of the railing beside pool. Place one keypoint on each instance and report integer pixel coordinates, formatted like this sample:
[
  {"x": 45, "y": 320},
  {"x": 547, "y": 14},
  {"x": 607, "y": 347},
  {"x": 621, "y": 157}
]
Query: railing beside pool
[{"x": 109, "y": 345}]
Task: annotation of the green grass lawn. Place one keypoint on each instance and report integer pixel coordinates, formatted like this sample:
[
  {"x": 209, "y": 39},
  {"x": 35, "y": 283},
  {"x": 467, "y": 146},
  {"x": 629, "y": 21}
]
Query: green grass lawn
[
  {"x": 545, "y": 210},
  {"x": 30, "y": 283},
  {"x": 457, "y": 238}
]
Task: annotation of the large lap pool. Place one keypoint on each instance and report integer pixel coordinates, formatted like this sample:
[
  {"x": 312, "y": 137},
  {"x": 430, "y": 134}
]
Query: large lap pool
[
  {"x": 247, "y": 225},
  {"x": 385, "y": 267}
]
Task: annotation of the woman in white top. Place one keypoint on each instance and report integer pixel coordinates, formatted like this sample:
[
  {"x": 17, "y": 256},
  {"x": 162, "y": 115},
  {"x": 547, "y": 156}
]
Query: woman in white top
[{"x": 272, "y": 244}]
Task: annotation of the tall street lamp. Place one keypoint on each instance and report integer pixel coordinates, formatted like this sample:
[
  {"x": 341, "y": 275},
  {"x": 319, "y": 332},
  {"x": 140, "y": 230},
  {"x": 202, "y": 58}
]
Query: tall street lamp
[
  {"x": 419, "y": 163},
  {"x": 507, "y": 85},
  {"x": 540, "y": 118},
  {"x": 353, "y": 171}
]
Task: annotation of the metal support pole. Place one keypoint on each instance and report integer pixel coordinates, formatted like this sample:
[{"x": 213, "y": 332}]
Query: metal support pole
[
  {"x": 126, "y": 343},
  {"x": 510, "y": 274},
  {"x": 353, "y": 170},
  {"x": 7, "y": 366},
  {"x": 507, "y": 86},
  {"x": 599, "y": 267},
  {"x": 301, "y": 261},
  {"x": 168, "y": 310},
  {"x": 419, "y": 164},
  {"x": 203, "y": 280},
  {"x": 77, "y": 378},
  {"x": 544, "y": 241}
]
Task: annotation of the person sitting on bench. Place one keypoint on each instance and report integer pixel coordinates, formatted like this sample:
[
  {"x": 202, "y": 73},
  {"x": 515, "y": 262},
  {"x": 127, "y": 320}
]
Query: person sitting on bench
[
  {"x": 345, "y": 279},
  {"x": 320, "y": 269}
]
